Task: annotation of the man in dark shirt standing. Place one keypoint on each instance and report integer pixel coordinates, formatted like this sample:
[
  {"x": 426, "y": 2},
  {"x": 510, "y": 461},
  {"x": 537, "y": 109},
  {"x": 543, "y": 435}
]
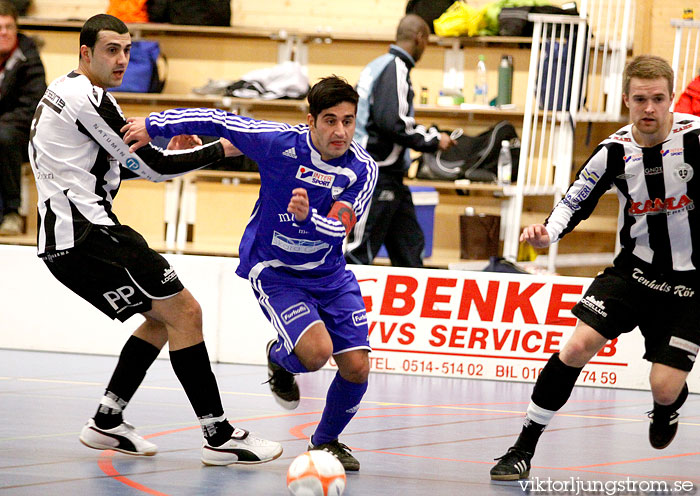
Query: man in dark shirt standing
[
  {"x": 387, "y": 129},
  {"x": 22, "y": 83}
]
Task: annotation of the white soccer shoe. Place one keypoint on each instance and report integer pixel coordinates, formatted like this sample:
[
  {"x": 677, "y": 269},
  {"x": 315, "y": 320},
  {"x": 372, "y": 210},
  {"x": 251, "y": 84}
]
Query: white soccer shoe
[
  {"x": 122, "y": 438},
  {"x": 243, "y": 447}
]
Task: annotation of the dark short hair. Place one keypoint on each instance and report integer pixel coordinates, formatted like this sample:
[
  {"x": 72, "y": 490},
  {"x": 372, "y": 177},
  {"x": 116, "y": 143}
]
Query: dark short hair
[
  {"x": 8, "y": 9},
  {"x": 329, "y": 92},
  {"x": 100, "y": 22}
]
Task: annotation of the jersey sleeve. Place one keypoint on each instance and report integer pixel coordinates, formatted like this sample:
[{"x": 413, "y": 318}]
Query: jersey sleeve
[
  {"x": 357, "y": 196},
  {"x": 592, "y": 180},
  {"x": 252, "y": 137},
  {"x": 323, "y": 228},
  {"x": 101, "y": 119}
]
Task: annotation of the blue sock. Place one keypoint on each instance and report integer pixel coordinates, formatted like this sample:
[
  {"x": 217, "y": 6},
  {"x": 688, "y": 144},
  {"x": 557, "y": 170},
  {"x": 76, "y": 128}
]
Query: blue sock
[
  {"x": 342, "y": 402},
  {"x": 290, "y": 362}
]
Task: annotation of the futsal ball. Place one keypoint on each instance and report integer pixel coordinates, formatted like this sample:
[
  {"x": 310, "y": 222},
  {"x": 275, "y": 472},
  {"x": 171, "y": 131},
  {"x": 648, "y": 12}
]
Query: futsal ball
[{"x": 316, "y": 473}]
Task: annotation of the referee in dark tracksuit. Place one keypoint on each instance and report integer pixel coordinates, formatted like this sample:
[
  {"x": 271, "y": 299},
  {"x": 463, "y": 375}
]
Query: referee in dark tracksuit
[{"x": 386, "y": 128}]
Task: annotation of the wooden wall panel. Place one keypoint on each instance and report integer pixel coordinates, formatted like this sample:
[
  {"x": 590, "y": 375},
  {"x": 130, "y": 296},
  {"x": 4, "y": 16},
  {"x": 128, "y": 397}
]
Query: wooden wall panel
[
  {"x": 361, "y": 16},
  {"x": 67, "y": 9}
]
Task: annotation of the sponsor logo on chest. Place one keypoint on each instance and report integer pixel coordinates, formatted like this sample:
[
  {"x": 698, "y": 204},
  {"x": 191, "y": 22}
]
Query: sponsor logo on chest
[
  {"x": 314, "y": 177},
  {"x": 668, "y": 206}
]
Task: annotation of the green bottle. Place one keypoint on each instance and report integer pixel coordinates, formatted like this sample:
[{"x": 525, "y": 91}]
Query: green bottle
[{"x": 505, "y": 80}]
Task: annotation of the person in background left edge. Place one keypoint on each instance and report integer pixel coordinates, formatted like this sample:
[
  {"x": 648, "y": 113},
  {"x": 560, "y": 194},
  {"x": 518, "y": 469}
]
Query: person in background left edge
[{"x": 22, "y": 84}]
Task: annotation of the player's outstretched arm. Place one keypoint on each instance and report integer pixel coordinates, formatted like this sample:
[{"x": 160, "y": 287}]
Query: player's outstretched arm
[
  {"x": 136, "y": 134},
  {"x": 536, "y": 235},
  {"x": 189, "y": 141},
  {"x": 184, "y": 142}
]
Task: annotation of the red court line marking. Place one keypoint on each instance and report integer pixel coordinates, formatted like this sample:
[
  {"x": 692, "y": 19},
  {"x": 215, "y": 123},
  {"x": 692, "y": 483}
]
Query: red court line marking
[
  {"x": 297, "y": 431},
  {"x": 476, "y": 355},
  {"x": 641, "y": 476},
  {"x": 107, "y": 467},
  {"x": 105, "y": 459},
  {"x": 622, "y": 462},
  {"x": 105, "y": 463},
  {"x": 479, "y": 462}
]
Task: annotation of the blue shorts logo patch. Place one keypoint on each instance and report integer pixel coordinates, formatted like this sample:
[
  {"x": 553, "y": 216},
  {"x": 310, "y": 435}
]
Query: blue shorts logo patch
[
  {"x": 294, "y": 312},
  {"x": 359, "y": 317},
  {"x": 132, "y": 164}
]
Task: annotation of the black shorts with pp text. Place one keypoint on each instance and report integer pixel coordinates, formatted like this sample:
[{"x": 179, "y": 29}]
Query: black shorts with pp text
[
  {"x": 114, "y": 269},
  {"x": 665, "y": 307}
]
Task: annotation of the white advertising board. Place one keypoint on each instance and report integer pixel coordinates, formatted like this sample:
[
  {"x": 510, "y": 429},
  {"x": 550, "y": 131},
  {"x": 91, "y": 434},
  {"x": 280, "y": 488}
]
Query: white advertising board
[
  {"x": 439, "y": 323},
  {"x": 484, "y": 325}
]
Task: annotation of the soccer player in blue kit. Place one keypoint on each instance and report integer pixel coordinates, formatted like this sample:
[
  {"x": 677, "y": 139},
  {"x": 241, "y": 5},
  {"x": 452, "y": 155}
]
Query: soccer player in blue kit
[{"x": 315, "y": 184}]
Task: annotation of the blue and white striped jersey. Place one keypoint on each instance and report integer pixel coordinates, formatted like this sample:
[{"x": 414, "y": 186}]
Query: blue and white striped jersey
[{"x": 287, "y": 160}]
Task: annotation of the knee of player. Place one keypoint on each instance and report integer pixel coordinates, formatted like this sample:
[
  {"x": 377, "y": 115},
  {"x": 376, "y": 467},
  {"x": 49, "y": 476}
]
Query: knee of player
[
  {"x": 316, "y": 360},
  {"x": 316, "y": 356},
  {"x": 357, "y": 374},
  {"x": 192, "y": 311},
  {"x": 664, "y": 392},
  {"x": 575, "y": 354}
]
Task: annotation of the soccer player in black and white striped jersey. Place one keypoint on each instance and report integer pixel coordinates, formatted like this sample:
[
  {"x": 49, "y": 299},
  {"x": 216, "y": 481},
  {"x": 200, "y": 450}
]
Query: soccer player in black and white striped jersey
[
  {"x": 79, "y": 159},
  {"x": 653, "y": 283}
]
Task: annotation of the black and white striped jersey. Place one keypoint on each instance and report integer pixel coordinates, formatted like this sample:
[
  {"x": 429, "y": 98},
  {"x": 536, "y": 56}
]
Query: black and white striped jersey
[
  {"x": 79, "y": 159},
  {"x": 657, "y": 188}
]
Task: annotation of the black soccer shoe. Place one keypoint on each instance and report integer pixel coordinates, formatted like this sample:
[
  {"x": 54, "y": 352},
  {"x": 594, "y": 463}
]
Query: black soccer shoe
[
  {"x": 341, "y": 452},
  {"x": 282, "y": 383},
  {"x": 514, "y": 465},
  {"x": 662, "y": 429}
]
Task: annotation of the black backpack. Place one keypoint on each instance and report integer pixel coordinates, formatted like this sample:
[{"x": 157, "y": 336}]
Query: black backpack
[
  {"x": 429, "y": 10},
  {"x": 473, "y": 157},
  {"x": 200, "y": 13},
  {"x": 512, "y": 21}
]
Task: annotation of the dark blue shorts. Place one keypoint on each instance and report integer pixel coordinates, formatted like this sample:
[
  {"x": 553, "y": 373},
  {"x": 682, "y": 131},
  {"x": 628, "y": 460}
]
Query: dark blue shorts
[{"x": 293, "y": 309}]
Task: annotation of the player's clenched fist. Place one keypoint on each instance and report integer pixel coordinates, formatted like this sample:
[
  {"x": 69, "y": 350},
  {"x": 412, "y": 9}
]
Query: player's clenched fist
[{"x": 299, "y": 204}]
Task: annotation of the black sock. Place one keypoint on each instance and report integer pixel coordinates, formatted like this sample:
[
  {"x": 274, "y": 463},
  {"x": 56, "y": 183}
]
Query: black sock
[
  {"x": 552, "y": 390},
  {"x": 529, "y": 436},
  {"x": 109, "y": 413},
  {"x": 193, "y": 370},
  {"x": 216, "y": 433},
  {"x": 134, "y": 361},
  {"x": 555, "y": 384},
  {"x": 667, "y": 410}
]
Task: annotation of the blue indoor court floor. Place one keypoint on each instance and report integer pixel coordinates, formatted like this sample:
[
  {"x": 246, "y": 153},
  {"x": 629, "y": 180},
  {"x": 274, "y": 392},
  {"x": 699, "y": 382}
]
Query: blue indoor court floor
[{"x": 413, "y": 435}]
